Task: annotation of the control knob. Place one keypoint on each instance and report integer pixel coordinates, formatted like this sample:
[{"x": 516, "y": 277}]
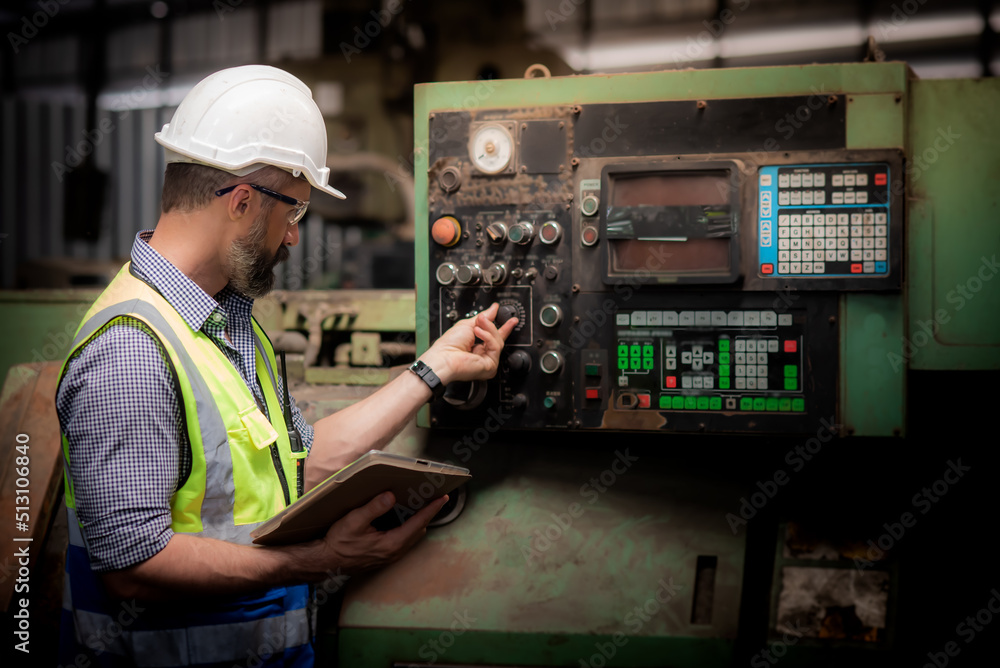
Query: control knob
[
  {"x": 519, "y": 362},
  {"x": 522, "y": 233},
  {"x": 469, "y": 274},
  {"x": 497, "y": 232},
  {"x": 496, "y": 273}
]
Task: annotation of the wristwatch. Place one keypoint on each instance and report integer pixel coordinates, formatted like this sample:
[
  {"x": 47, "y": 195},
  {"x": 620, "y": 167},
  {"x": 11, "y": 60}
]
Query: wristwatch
[{"x": 428, "y": 376}]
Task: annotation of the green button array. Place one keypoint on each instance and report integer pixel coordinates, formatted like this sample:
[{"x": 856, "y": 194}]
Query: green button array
[
  {"x": 759, "y": 404},
  {"x": 723, "y": 383},
  {"x": 647, "y": 351},
  {"x": 723, "y": 358},
  {"x": 690, "y": 403},
  {"x": 791, "y": 371},
  {"x": 622, "y": 350},
  {"x": 798, "y": 404},
  {"x": 785, "y": 405},
  {"x": 723, "y": 345},
  {"x": 715, "y": 403},
  {"x": 724, "y": 368},
  {"x": 664, "y": 401},
  {"x": 703, "y": 403},
  {"x": 746, "y": 404},
  {"x": 677, "y": 402},
  {"x": 634, "y": 363},
  {"x": 622, "y": 362},
  {"x": 791, "y": 384},
  {"x": 772, "y": 404},
  {"x": 635, "y": 351},
  {"x": 647, "y": 362}
]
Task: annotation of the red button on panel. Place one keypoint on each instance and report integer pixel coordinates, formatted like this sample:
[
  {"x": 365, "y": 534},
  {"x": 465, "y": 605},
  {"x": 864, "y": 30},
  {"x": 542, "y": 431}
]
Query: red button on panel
[
  {"x": 855, "y": 268},
  {"x": 643, "y": 401},
  {"x": 671, "y": 381},
  {"x": 881, "y": 179},
  {"x": 767, "y": 268},
  {"x": 791, "y": 346},
  {"x": 593, "y": 393}
]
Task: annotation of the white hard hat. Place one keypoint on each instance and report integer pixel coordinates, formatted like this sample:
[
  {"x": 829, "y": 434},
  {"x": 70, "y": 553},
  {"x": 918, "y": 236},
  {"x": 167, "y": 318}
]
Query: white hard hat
[{"x": 242, "y": 118}]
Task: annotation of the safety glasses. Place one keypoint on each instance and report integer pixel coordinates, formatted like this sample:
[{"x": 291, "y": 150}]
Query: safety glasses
[{"x": 294, "y": 215}]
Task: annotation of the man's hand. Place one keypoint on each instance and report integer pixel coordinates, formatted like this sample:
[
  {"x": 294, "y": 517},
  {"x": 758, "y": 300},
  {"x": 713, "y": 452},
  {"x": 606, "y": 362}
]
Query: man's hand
[
  {"x": 458, "y": 356},
  {"x": 353, "y": 545}
]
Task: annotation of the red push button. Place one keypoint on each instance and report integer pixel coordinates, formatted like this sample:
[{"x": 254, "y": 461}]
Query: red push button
[
  {"x": 767, "y": 268},
  {"x": 855, "y": 268},
  {"x": 791, "y": 346},
  {"x": 593, "y": 393},
  {"x": 881, "y": 179},
  {"x": 643, "y": 401},
  {"x": 671, "y": 381}
]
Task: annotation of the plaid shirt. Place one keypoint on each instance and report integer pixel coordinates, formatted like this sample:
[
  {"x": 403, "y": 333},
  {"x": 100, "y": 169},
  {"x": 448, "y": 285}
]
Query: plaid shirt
[{"x": 128, "y": 444}]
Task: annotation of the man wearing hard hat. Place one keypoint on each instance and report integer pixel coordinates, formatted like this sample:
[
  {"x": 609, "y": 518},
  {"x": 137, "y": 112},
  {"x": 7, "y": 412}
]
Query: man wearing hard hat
[{"x": 169, "y": 403}]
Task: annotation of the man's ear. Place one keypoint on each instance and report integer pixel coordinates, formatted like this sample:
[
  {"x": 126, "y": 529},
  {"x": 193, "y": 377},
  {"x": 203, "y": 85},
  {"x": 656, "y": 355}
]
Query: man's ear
[{"x": 238, "y": 204}]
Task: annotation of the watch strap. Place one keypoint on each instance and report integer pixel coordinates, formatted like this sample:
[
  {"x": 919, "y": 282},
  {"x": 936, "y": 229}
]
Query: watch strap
[{"x": 426, "y": 374}]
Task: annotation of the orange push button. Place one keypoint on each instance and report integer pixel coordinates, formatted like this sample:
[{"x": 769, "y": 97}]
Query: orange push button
[{"x": 446, "y": 231}]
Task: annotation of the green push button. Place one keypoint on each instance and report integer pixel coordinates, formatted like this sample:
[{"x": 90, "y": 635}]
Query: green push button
[
  {"x": 785, "y": 405},
  {"x": 690, "y": 403},
  {"x": 791, "y": 383},
  {"x": 622, "y": 362},
  {"x": 715, "y": 403},
  {"x": 798, "y": 404},
  {"x": 635, "y": 351},
  {"x": 677, "y": 402},
  {"x": 664, "y": 401},
  {"x": 723, "y": 358},
  {"x": 746, "y": 404},
  {"x": 634, "y": 363},
  {"x": 723, "y": 383},
  {"x": 622, "y": 350},
  {"x": 759, "y": 404},
  {"x": 549, "y": 402},
  {"x": 772, "y": 404},
  {"x": 703, "y": 403},
  {"x": 647, "y": 351},
  {"x": 724, "y": 369},
  {"x": 791, "y": 371},
  {"x": 723, "y": 345},
  {"x": 647, "y": 363},
  {"x": 592, "y": 369}
]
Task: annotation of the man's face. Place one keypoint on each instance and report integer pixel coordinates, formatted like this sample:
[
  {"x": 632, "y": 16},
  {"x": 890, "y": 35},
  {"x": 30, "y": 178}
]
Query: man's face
[{"x": 253, "y": 258}]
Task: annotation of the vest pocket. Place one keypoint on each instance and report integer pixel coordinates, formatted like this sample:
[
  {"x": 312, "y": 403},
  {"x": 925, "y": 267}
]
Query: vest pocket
[{"x": 253, "y": 469}]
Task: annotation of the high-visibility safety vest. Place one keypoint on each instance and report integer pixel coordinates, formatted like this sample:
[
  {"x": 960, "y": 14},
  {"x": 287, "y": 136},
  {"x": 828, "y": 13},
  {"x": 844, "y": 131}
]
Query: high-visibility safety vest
[{"x": 242, "y": 472}]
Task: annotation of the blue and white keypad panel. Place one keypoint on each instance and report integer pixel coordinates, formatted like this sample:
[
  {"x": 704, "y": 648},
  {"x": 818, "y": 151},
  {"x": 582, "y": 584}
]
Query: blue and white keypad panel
[{"x": 828, "y": 220}]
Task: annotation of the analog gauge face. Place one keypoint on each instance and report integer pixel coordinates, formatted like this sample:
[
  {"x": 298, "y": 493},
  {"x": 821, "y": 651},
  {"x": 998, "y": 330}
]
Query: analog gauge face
[{"x": 492, "y": 148}]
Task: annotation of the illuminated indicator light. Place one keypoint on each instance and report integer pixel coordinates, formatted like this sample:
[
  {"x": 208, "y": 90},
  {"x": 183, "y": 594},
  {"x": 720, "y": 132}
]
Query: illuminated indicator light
[
  {"x": 715, "y": 403},
  {"x": 665, "y": 401},
  {"x": 690, "y": 403},
  {"x": 593, "y": 393},
  {"x": 791, "y": 346},
  {"x": 647, "y": 351},
  {"x": 772, "y": 404},
  {"x": 767, "y": 268},
  {"x": 791, "y": 371},
  {"x": 643, "y": 401},
  {"x": 549, "y": 402},
  {"x": 635, "y": 351},
  {"x": 671, "y": 381},
  {"x": 703, "y": 403},
  {"x": 785, "y": 405},
  {"x": 723, "y": 383},
  {"x": 592, "y": 369},
  {"x": 759, "y": 404},
  {"x": 791, "y": 384},
  {"x": 798, "y": 404},
  {"x": 881, "y": 179},
  {"x": 723, "y": 359},
  {"x": 589, "y": 236},
  {"x": 622, "y": 351},
  {"x": 647, "y": 363},
  {"x": 677, "y": 402},
  {"x": 622, "y": 362},
  {"x": 746, "y": 404},
  {"x": 635, "y": 363},
  {"x": 723, "y": 345},
  {"x": 723, "y": 370},
  {"x": 856, "y": 268}
]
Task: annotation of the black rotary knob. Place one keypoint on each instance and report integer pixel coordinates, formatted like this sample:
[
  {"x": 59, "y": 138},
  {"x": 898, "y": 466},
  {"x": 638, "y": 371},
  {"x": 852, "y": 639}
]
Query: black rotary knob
[{"x": 519, "y": 362}]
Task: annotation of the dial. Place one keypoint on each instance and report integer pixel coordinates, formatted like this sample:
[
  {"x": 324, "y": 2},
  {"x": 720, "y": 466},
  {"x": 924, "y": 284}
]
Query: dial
[{"x": 491, "y": 149}]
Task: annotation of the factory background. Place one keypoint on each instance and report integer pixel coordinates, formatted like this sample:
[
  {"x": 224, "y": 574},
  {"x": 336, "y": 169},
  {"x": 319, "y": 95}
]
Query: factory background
[{"x": 85, "y": 84}]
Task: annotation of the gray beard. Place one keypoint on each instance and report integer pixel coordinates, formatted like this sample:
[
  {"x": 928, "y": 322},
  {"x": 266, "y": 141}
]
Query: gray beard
[{"x": 251, "y": 269}]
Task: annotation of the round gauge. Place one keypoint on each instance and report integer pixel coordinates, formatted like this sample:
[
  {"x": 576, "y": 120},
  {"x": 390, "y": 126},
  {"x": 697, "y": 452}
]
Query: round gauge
[{"x": 491, "y": 149}]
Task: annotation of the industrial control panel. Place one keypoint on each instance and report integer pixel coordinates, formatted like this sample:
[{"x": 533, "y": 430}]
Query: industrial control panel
[{"x": 672, "y": 264}]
